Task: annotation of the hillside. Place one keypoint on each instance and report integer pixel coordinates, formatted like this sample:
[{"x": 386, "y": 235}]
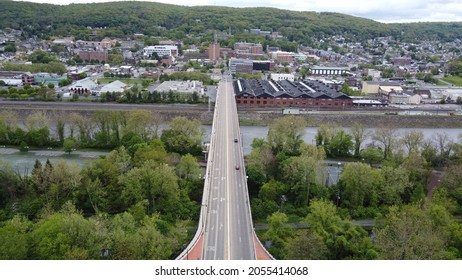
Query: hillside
[{"x": 124, "y": 18}]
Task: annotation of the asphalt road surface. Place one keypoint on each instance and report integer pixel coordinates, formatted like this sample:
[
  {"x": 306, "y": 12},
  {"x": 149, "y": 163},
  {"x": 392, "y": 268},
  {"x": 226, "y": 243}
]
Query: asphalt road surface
[{"x": 229, "y": 231}]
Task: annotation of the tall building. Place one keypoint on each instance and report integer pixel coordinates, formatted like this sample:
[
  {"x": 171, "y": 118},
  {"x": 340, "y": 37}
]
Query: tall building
[{"x": 214, "y": 51}]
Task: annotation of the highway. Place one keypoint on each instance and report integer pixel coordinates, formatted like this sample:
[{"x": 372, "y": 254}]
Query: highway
[{"x": 228, "y": 231}]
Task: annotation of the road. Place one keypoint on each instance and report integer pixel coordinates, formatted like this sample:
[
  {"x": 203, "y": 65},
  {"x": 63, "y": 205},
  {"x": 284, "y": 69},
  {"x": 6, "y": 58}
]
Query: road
[{"x": 228, "y": 231}]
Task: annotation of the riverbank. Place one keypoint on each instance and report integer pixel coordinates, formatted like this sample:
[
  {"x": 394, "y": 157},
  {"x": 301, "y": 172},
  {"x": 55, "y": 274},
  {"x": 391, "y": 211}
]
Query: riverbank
[
  {"x": 51, "y": 153},
  {"x": 369, "y": 118}
]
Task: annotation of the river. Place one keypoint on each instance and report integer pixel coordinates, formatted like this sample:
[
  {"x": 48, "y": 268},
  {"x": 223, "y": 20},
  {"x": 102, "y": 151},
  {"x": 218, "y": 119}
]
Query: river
[
  {"x": 24, "y": 162},
  {"x": 248, "y": 133}
]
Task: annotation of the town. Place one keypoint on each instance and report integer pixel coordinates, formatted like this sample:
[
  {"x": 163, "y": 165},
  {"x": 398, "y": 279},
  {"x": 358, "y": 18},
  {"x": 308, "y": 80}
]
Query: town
[
  {"x": 374, "y": 73},
  {"x": 134, "y": 130}
]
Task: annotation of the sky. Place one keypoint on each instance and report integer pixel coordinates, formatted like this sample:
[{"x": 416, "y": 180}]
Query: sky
[{"x": 379, "y": 10}]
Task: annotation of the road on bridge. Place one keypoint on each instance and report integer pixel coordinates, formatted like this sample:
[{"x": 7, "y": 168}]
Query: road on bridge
[{"x": 228, "y": 231}]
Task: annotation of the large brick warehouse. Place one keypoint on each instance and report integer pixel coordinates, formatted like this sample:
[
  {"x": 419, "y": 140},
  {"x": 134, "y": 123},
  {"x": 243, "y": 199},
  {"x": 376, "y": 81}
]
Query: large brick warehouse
[{"x": 287, "y": 94}]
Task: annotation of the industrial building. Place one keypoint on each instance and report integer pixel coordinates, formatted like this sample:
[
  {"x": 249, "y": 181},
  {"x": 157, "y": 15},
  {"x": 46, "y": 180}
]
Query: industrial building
[{"x": 288, "y": 94}]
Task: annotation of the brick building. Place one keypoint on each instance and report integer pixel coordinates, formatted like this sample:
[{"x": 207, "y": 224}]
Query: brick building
[
  {"x": 101, "y": 56},
  {"x": 285, "y": 94}
]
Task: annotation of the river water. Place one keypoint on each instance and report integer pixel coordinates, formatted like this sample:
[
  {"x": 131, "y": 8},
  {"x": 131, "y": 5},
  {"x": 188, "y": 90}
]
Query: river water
[
  {"x": 248, "y": 133},
  {"x": 24, "y": 162}
]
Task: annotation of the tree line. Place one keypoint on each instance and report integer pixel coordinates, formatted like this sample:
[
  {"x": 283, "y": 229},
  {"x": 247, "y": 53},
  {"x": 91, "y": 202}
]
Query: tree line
[
  {"x": 134, "y": 203},
  {"x": 388, "y": 178},
  {"x": 175, "y": 22}
]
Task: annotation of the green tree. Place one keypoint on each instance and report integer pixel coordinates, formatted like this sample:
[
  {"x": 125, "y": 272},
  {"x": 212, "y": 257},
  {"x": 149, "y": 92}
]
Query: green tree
[
  {"x": 407, "y": 233},
  {"x": 156, "y": 182},
  {"x": 358, "y": 185},
  {"x": 69, "y": 145},
  {"x": 386, "y": 136},
  {"x": 340, "y": 145},
  {"x": 14, "y": 239},
  {"x": 40, "y": 56},
  {"x": 395, "y": 182},
  {"x": 286, "y": 135},
  {"x": 278, "y": 232},
  {"x": 188, "y": 168},
  {"x": 360, "y": 134},
  {"x": 412, "y": 140},
  {"x": 65, "y": 235},
  {"x": 336, "y": 238},
  {"x": 23, "y": 147},
  {"x": 303, "y": 175},
  {"x": 183, "y": 136},
  {"x": 155, "y": 151},
  {"x": 144, "y": 123},
  {"x": 297, "y": 248}
]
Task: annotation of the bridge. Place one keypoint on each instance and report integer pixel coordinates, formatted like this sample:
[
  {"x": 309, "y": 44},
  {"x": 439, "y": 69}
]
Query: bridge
[{"x": 225, "y": 230}]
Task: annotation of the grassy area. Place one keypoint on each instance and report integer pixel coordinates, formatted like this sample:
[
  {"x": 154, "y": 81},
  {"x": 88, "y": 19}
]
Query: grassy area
[
  {"x": 440, "y": 83},
  {"x": 455, "y": 80}
]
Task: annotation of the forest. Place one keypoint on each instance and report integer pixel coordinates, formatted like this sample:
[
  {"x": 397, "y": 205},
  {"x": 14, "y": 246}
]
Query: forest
[
  {"x": 138, "y": 201},
  {"x": 135, "y": 203},
  {"x": 175, "y": 22},
  {"x": 388, "y": 182}
]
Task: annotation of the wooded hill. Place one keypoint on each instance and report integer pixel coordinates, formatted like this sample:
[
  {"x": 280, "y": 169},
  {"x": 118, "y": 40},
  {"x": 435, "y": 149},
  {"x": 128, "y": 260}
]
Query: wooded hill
[{"x": 128, "y": 17}]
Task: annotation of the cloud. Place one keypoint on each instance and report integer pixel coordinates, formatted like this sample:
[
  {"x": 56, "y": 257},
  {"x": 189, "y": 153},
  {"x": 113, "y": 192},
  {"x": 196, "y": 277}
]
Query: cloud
[{"x": 380, "y": 10}]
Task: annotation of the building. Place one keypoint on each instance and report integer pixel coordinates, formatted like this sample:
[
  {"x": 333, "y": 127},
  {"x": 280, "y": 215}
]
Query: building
[
  {"x": 26, "y": 77},
  {"x": 288, "y": 94},
  {"x": 328, "y": 71},
  {"x": 401, "y": 61},
  {"x": 83, "y": 86},
  {"x": 114, "y": 87},
  {"x": 101, "y": 56},
  {"x": 181, "y": 87},
  {"x": 46, "y": 78},
  {"x": 12, "y": 82},
  {"x": 106, "y": 43},
  {"x": 283, "y": 56},
  {"x": 282, "y": 76},
  {"x": 160, "y": 50},
  {"x": 238, "y": 65},
  {"x": 372, "y": 87},
  {"x": 386, "y": 91},
  {"x": 214, "y": 51},
  {"x": 248, "y": 50}
]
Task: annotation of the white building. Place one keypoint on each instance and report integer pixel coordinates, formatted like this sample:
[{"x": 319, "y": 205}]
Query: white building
[
  {"x": 328, "y": 71},
  {"x": 282, "y": 76},
  {"x": 83, "y": 86},
  {"x": 181, "y": 87},
  {"x": 161, "y": 50},
  {"x": 116, "y": 86}
]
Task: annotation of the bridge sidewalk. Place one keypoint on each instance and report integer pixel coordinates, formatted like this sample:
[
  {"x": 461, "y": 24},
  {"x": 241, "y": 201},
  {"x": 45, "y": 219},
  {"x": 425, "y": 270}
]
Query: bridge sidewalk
[{"x": 196, "y": 252}]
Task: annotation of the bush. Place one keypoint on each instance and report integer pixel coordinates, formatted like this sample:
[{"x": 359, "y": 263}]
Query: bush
[{"x": 23, "y": 147}]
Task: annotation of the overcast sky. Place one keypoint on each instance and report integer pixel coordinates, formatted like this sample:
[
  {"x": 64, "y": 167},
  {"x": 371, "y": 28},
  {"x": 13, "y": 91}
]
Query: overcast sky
[{"x": 380, "y": 10}]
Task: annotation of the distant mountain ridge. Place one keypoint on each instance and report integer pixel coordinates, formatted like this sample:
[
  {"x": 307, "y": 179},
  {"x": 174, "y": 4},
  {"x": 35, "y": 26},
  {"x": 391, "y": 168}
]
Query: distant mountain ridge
[{"x": 150, "y": 18}]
